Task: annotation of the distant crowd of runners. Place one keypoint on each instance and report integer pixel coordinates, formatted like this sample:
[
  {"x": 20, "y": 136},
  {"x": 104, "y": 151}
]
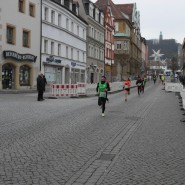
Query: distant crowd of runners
[{"x": 103, "y": 87}]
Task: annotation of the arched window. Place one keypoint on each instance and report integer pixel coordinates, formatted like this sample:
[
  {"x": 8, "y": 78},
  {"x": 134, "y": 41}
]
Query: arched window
[{"x": 24, "y": 75}]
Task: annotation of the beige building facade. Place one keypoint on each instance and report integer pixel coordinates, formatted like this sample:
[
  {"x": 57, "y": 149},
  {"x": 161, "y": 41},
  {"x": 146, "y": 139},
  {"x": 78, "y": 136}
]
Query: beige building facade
[{"x": 19, "y": 43}]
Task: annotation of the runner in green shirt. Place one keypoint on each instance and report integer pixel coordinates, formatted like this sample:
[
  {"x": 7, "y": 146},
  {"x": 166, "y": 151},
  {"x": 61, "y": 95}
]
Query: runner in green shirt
[{"x": 101, "y": 89}]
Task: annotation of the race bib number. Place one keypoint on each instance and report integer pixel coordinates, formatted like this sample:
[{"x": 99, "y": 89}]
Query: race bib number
[
  {"x": 126, "y": 86},
  {"x": 102, "y": 94},
  {"x": 139, "y": 84}
]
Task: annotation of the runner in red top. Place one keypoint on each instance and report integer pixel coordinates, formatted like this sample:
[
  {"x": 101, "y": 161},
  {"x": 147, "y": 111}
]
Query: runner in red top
[{"x": 126, "y": 87}]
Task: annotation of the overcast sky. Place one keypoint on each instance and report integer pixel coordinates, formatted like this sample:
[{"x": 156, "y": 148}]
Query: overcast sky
[{"x": 166, "y": 16}]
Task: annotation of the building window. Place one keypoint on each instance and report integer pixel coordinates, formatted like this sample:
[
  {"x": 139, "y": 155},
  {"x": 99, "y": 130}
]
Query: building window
[
  {"x": 89, "y": 31},
  {"x": 116, "y": 26},
  {"x": 72, "y": 27},
  {"x": 67, "y": 24},
  {"x": 78, "y": 30},
  {"x": 10, "y": 35},
  {"x": 59, "y": 19},
  {"x": 71, "y": 53},
  {"x": 59, "y": 49},
  {"x": 92, "y": 32},
  {"x": 53, "y": 16},
  {"x": 82, "y": 76},
  {"x": 83, "y": 33},
  {"x": 32, "y": 10},
  {"x": 26, "y": 38},
  {"x": 92, "y": 51},
  {"x": 46, "y": 14},
  {"x": 24, "y": 75},
  {"x": 22, "y": 6},
  {"x": 118, "y": 45},
  {"x": 83, "y": 57},
  {"x": 52, "y": 48},
  {"x": 89, "y": 51},
  {"x": 45, "y": 46},
  {"x": 66, "y": 51},
  {"x": 95, "y": 35},
  {"x": 78, "y": 56},
  {"x": 125, "y": 45},
  {"x": 97, "y": 53}
]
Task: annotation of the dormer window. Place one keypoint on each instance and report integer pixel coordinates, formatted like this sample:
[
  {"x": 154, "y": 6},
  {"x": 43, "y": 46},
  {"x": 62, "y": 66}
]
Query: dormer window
[
  {"x": 70, "y": 5},
  {"x": 97, "y": 15},
  {"x": 66, "y": 3},
  {"x": 91, "y": 8},
  {"x": 101, "y": 18},
  {"x": 77, "y": 10}
]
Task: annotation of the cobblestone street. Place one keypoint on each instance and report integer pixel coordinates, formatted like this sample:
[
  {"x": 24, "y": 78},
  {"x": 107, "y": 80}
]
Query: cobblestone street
[{"x": 66, "y": 141}]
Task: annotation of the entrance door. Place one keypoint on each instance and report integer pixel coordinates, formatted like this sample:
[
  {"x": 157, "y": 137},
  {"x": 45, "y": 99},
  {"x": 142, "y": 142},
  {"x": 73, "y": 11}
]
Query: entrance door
[
  {"x": 92, "y": 77},
  {"x": 8, "y": 76}
]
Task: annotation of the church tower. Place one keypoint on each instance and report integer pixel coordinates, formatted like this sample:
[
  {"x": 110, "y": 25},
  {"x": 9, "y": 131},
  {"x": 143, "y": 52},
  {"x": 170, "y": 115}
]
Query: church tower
[{"x": 160, "y": 37}]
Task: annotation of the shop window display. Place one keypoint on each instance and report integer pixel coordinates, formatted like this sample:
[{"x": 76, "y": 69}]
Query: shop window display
[{"x": 24, "y": 78}]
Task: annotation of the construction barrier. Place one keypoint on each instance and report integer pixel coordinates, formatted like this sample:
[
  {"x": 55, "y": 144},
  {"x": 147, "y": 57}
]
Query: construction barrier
[
  {"x": 182, "y": 94},
  {"x": 61, "y": 90},
  {"x": 82, "y": 89},
  {"x": 173, "y": 87}
]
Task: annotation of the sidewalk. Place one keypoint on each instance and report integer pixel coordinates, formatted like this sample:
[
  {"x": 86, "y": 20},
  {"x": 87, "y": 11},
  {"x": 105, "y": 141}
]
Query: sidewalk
[{"x": 11, "y": 91}]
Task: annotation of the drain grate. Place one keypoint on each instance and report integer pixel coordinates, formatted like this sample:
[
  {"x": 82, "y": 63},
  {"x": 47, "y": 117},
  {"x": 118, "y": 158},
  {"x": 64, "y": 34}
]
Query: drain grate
[{"x": 106, "y": 157}]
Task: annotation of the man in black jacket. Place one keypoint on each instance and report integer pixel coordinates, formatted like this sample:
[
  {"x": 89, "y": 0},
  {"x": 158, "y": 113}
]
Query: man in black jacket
[{"x": 40, "y": 87}]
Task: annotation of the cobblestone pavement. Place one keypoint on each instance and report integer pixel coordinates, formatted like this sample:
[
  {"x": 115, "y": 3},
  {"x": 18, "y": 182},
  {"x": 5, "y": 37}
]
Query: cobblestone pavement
[{"x": 67, "y": 142}]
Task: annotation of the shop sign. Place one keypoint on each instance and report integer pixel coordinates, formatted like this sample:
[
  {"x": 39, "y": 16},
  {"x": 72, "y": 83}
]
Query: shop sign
[
  {"x": 73, "y": 64},
  {"x": 18, "y": 56},
  {"x": 107, "y": 68},
  {"x": 51, "y": 59}
]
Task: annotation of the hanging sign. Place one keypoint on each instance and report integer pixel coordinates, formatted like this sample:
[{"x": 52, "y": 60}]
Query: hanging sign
[{"x": 19, "y": 57}]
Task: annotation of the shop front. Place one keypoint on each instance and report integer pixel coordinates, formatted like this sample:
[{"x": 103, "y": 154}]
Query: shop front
[{"x": 17, "y": 72}]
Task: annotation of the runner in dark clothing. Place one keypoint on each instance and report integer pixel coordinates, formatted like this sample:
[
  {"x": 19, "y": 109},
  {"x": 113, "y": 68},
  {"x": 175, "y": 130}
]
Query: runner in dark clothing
[{"x": 139, "y": 83}]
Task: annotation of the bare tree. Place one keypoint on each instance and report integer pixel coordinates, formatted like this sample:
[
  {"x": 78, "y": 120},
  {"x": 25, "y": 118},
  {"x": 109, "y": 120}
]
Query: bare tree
[{"x": 173, "y": 64}]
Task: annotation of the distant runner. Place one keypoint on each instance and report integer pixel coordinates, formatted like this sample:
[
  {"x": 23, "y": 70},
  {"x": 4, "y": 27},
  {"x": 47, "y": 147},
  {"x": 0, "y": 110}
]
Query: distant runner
[
  {"x": 126, "y": 87},
  {"x": 139, "y": 83}
]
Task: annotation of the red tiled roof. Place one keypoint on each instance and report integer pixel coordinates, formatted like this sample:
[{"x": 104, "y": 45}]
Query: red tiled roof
[
  {"x": 126, "y": 8},
  {"x": 102, "y": 5}
]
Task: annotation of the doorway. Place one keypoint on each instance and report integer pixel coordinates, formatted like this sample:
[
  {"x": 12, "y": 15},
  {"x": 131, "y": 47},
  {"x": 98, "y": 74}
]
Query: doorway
[{"x": 8, "y": 71}]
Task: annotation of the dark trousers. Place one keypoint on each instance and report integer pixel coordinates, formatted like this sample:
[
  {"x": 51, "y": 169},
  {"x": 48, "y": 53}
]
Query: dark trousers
[
  {"x": 102, "y": 102},
  {"x": 40, "y": 95},
  {"x": 139, "y": 88}
]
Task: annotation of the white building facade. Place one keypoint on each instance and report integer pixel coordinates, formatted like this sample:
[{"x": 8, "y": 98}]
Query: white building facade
[
  {"x": 63, "y": 42},
  {"x": 19, "y": 43}
]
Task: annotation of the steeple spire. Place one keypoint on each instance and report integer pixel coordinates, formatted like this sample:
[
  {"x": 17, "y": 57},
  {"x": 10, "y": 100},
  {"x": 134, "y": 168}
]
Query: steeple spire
[{"x": 160, "y": 36}]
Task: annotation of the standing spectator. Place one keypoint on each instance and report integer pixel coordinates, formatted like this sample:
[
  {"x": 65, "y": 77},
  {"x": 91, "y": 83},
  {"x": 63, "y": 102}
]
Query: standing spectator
[
  {"x": 40, "y": 87},
  {"x": 45, "y": 82}
]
